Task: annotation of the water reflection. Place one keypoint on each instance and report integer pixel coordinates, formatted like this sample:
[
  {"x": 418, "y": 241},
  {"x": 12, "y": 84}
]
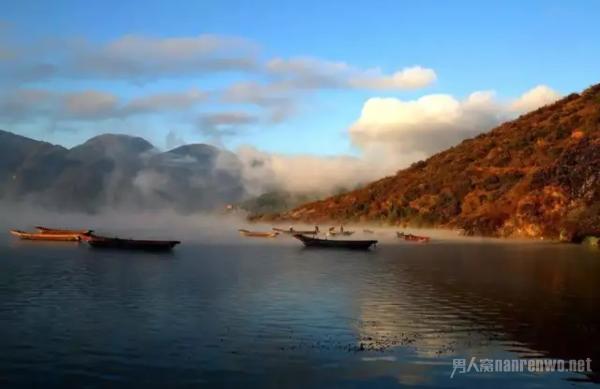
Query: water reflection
[
  {"x": 531, "y": 300},
  {"x": 276, "y": 315}
]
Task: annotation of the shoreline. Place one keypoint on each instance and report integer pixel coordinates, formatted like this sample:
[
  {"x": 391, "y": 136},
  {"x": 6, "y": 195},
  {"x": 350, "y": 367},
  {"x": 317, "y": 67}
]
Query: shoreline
[{"x": 591, "y": 240}]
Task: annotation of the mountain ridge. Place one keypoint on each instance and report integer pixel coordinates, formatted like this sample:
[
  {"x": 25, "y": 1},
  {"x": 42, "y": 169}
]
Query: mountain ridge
[
  {"x": 115, "y": 170},
  {"x": 536, "y": 176}
]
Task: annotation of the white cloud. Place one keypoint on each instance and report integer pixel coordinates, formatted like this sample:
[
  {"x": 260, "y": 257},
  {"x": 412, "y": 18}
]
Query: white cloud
[
  {"x": 143, "y": 56},
  {"x": 278, "y": 100},
  {"x": 408, "y": 78},
  {"x": 263, "y": 171},
  {"x": 309, "y": 73},
  {"x": 296, "y": 78},
  {"x": 130, "y": 57},
  {"x": 534, "y": 98},
  {"x": 278, "y": 87},
  {"x": 228, "y": 118},
  {"x": 23, "y": 104},
  {"x": 89, "y": 104},
  {"x": 16, "y": 105},
  {"x": 166, "y": 100},
  {"x": 435, "y": 122},
  {"x": 314, "y": 73},
  {"x": 425, "y": 125},
  {"x": 227, "y": 123},
  {"x": 258, "y": 94},
  {"x": 176, "y": 48}
]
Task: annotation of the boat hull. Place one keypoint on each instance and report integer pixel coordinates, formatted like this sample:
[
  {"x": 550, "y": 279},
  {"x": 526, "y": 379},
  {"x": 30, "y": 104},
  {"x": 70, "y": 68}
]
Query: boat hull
[
  {"x": 337, "y": 244},
  {"x": 46, "y": 237},
  {"x": 130, "y": 244}
]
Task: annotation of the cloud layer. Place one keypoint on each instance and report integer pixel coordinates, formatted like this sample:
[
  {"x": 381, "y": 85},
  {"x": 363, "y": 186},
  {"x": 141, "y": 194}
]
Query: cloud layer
[
  {"x": 534, "y": 98},
  {"x": 130, "y": 57},
  {"x": 141, "y": 58},
  {"x": 227, "y": 123},
  {"x": 23, "y": 104},
  {"x": 278, "y": 100},
  {"x": 267, "y": 90},
  {"x": 434, "y": 122},
  {"x": 313, "y": 73},
  {"x": 263, "y": 172}
]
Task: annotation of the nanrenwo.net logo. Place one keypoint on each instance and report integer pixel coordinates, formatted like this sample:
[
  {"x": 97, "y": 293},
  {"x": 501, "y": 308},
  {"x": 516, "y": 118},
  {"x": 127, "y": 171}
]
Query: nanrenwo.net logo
[{"x": 535, "y": 365}]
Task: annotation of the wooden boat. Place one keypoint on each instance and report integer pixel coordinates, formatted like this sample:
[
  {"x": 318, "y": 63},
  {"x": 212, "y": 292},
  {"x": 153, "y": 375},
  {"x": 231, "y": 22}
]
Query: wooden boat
[
  {"x": 129, "y": 244},
  {"x": 367, "y": 231},
  {"x": 292, "y": 231},
  {"x": 413, "y": 238},
  {"x": 332, "y": 243},
  {"x": 47, "y": 230},
  {"x": 40, "y": 236},
  {"x": 258, "y": 234}
]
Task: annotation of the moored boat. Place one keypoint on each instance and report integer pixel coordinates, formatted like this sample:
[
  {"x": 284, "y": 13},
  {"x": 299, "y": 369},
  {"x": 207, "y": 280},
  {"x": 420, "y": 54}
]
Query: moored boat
[
  {"x": 258, "y": 234},
  {"x": 334, "y": 243},
  {"x": 413, "y": 238},
  {"x": 48, "y": 237},
  {"x": 129, "y": 244},
  {"x": 57, "y": 231}
]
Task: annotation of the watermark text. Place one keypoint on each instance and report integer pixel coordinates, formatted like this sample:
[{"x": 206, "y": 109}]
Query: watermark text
[{"x": 536, "y": 365}]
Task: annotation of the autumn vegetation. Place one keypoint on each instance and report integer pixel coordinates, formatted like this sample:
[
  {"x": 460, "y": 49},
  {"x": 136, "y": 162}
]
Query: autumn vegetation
[{"x": 536, "y": 176}]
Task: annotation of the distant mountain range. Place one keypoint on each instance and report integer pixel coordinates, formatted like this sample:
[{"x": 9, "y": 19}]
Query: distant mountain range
[
  {"x": 536, "y": 176},
  {"x": 117, "y": 171}
]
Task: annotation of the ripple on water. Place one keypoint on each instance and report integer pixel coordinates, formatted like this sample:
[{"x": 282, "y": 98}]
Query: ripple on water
[{"x": 215, "y": 314}]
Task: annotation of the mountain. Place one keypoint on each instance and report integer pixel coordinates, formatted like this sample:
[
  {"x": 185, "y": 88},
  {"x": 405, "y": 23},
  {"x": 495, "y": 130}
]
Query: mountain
[
  {"x": 17, "y": 154},
  {"x": 536, "y": 176},
  {"x": 114, "y": 170},
  {"x": 193, "y": 176}
]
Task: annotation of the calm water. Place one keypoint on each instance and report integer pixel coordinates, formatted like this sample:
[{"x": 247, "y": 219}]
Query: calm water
[{"x": 271, "y": 314}]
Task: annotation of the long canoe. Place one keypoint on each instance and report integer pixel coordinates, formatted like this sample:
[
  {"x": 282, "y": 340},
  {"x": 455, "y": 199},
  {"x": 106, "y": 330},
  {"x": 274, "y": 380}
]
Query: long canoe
[
  {"x": 332, "y": 243},
  {"x": 39, "y": 236},
  {"x": 129, "y": 244},
  {"x": 258, "y": 234},
  {"x": 291, "y": 231},
  {"x": 47, "y": 230}
]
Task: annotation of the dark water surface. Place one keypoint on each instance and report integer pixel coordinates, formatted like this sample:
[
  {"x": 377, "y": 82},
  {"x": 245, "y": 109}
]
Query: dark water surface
[{"x": 271, "y": 314}]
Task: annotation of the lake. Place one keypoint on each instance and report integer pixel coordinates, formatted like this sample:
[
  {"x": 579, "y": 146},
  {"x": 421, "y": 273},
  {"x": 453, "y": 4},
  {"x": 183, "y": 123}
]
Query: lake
[{"x": 268, "y": 313}]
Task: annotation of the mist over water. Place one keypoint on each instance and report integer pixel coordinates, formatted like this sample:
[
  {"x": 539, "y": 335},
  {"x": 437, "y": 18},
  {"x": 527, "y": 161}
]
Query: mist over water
[
  {"x": 223, "y": 310},
  {"x": 167, "y": 224},
  {"x": 193, "y": 227}
]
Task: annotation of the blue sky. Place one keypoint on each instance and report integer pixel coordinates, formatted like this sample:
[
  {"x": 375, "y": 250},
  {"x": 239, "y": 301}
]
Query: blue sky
[{"x": 508, "y": 47}]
